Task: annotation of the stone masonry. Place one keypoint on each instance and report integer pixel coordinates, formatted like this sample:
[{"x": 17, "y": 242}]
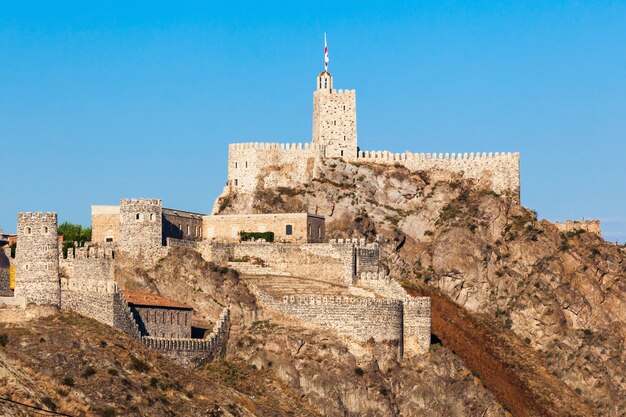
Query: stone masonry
[
  {"x": 141, "y": 227},
  {"x": 335, "y": 136},
  {"x": 37, "y": 278}
]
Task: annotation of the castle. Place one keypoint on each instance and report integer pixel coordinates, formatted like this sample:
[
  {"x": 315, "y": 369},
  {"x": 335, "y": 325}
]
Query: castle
[
  {"x": 335, "y": 136},
  {"x": 289, "y": 265}
]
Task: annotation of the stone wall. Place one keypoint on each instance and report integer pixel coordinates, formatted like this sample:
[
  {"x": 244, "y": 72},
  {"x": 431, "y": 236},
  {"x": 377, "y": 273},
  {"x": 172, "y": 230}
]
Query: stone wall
[
  {"x": 105, "y": 223},
  {"x": 591, "y": 226},
  {"x": 304, "y": 227},
  {"x": 332, "y": 262},
  {"x": 194, "y": 352},
  {"x": 499, "y": 172},
  {"x": 367, "y": 258},
  {"x": 163, "y": 321},
  {"x": 416, "y": 325},
  {"x": 141, "y": 228},
  {"x": 92, "y": 298},
  {"x": 37, "y": 278},
  {"x": 276, "y": 165}
]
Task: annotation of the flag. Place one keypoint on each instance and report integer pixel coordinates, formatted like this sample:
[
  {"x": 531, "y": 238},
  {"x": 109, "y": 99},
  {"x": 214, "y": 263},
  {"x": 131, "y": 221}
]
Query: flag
[{"x": 325, "y": 54}]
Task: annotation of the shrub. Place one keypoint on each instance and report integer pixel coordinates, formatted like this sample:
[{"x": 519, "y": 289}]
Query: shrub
[
  {"x": 4, "y": 339},
  {"x": 429, "y": 233},
  {"x": 245, "y": 236},
  {"x": 358, "y": 371},
  {"x": 527, "y": 340},
  {"x": 138, "y": 365},
  {"x": 105, "y": 411},
  {"x": 89, "y": 371},
  {"x": 68, "y": 381},
  {"x": 113, "y": 372}
]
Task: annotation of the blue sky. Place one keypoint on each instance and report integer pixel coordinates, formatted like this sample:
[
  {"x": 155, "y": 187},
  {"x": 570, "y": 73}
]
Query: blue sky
[{"x": 105, "y": 100}]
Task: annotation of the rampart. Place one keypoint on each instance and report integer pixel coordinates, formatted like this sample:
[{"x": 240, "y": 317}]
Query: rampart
[
  {"x": 499, "y": 172},
  {"x": 194, "y": 352},
  {"x": 250, "y": 162},
  {"x": 591, "y": 226},
  {"x": 332, "y": 262}
]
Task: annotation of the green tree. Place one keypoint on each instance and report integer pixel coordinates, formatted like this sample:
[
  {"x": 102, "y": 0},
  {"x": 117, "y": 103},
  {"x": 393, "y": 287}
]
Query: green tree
[{"x": 74, "y": 235}]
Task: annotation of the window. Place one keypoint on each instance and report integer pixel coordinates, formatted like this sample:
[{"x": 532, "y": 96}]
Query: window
[
  {"x": 109, "y": 239},
  {"x": 319, "y": 231},
  {"x": 289, "y": 230},
  {"x": 344, "y": 107},
  {"x": 171, "y": 317},
  {"x": 137, "y": 216},
  {"x": 147, "y": 317},
  {"x": 28, "y": 231},
  {"x": 246, "y": 164},
  {"x": 310, "y": 228},
  {"x": 341, "y": 153},
  {"x": 185, "y": 319},
  {"x": 164, "y": 318},
  {"x": 151, "y": 217},
  {"x": 235, "y": 181},
  {"x": 155, "y": 317},
  {"x": 45, "y": 229},
  {"x": 178, "y": 318},
  {"x": 187, "y": 230},
  {"x": 236, "y": 165}
]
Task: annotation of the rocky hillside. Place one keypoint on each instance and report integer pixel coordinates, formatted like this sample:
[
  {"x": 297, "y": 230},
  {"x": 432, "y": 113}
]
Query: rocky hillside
[
  {"x": 331, "y": 375},
  {"x": 551, "y": 305}
]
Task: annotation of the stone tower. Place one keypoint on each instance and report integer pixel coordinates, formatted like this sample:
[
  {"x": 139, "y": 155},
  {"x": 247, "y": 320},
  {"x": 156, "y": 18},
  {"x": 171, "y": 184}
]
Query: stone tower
[
  {"x": 140, "y": 226},
  {"x": 334, "y": 119},
  {"x": 37, "y": 256}
]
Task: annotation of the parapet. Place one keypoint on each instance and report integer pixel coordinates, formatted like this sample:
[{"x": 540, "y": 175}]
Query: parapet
[
  {"x": 146, "y": 201},
  {"x": 410, "y": 156},
  {"x": 37, "y": 215},
  {"x": 591, "y": 226},
  {"x": 336, "y": 300},
  {"x": 307, "y": 147}
]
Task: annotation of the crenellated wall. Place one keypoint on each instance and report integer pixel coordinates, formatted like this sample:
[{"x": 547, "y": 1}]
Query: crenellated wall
[
  {"x": 194, "y": 352},
  {"x": 591, "y": 226},
  {"x": 250, "y": 162}
]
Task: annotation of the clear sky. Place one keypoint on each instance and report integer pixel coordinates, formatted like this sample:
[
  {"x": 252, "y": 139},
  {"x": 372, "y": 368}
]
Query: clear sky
[{"x": 106, "y": 100}]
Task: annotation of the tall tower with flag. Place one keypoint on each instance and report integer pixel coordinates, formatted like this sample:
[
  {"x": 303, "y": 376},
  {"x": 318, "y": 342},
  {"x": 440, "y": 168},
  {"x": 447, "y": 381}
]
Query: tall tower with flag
[{"x": 334, "y": 116}]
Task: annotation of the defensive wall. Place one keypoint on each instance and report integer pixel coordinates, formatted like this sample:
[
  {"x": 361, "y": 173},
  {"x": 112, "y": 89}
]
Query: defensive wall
[
  {"x": 194, "y": 352},
  {"x": 277, "y": 164},
  {"x": 591, "y": 226},
  {"x": 402, "y": 321}
]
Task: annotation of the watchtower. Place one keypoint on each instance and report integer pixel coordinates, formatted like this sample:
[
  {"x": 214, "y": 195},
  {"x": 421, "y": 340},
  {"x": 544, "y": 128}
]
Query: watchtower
[
  {"x": 334, "y": 119},
  {"x": 37, "y": 256},
  {"x": 141, "y": 226}
]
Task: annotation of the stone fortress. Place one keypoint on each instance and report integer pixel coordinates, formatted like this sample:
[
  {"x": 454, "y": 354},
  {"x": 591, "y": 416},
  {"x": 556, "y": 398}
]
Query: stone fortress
[
  {"x": 330, "y": 284},
  {"x": 335, "y": 136}
]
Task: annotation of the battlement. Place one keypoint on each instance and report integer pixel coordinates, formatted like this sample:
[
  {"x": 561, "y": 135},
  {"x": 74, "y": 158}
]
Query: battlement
[
  {"x": 25, "y": 216},
  {"x": 336, "y": 300},
  {"x": 375, "y": 276},
  {"x": 263, "y": 146},
  {"x": 339, "y": 92},
  {"x": 591, "y": 226},
  {"x": 409, "y": 156},
  {"x": 144, "y": 201},
  {"x": 92, "y": 286}
]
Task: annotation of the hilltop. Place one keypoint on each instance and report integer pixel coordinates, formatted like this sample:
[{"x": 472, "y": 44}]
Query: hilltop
[{"x": 552, "y": 303}]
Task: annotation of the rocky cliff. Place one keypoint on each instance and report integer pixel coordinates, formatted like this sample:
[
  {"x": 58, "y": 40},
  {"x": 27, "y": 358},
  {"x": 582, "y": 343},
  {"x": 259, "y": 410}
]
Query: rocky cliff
[{"x": 547, "y": 308}]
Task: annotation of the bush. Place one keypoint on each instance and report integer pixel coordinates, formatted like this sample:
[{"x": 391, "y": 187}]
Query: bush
[
  {"x": 138, "y": 365},
  {"x": 245, "y": 236},
  {"x": 89, "y": 371},
  {"x": 4, "y": 339},
  {"x": 68, "y": 381},
  {"x": 113, "y": 372},
  {"x": 358, "y": 371},
  {"x": 105, "y": 411}
]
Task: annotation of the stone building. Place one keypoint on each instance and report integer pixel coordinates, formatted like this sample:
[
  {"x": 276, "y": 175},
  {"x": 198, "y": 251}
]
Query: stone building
[
  {"x": 591, "y": 226},
  {"x": 105, "y": 223},
  {"x": 180, "y": 224},
  {"x": 287, "y": 227},
  {"x": 37, "y": 257},
  {"x": 159, "y": 316},
  {"x": 334, "y": 135}
]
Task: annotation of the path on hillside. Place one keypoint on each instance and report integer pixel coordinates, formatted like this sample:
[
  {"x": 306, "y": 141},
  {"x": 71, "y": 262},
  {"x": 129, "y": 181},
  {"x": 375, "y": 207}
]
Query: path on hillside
[{"x": 507, "y": 367}]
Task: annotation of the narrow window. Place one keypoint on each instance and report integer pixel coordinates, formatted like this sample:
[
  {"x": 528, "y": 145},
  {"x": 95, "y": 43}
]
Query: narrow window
[
  {"x": 171, "y": 317},
  {"x": 177, "y": 318},
  {"x": 236, "y": 165},
  {"x": 45, "y": 229},
  {"x": 164, "y": 319},
  {"x": 188, "y": 230},
  {"x": 235, "y": 181},
  {"x": 289, "y": 230},
  {"x": 310, "y": 228},
  {"x": 137, "y": 216},
  {"x": 344, "y": 107},
  {"x": 28, "y": 230},
  {"x": 319, "y": 231},
  {"x": 341, "y": 153},
  {"x": 185, "y": 319},
  {"x": 246, "y": 164},
  {"x": 155, "y": 317},
  {"x": 151, "y": 217},
  {"x": 147, "y": 317}
]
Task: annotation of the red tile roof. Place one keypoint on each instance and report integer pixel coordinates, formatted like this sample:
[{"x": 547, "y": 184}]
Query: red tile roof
[{"x": 140, "y": 298}]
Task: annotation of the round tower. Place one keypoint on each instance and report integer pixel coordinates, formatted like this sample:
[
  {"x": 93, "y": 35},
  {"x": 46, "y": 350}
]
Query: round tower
[
  {"x": 37, "y": 258},
  {"x": 140, "y": 226}
]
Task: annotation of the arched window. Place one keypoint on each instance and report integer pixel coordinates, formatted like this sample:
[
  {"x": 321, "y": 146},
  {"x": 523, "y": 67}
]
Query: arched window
[{"x": 151, "y": 217}]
